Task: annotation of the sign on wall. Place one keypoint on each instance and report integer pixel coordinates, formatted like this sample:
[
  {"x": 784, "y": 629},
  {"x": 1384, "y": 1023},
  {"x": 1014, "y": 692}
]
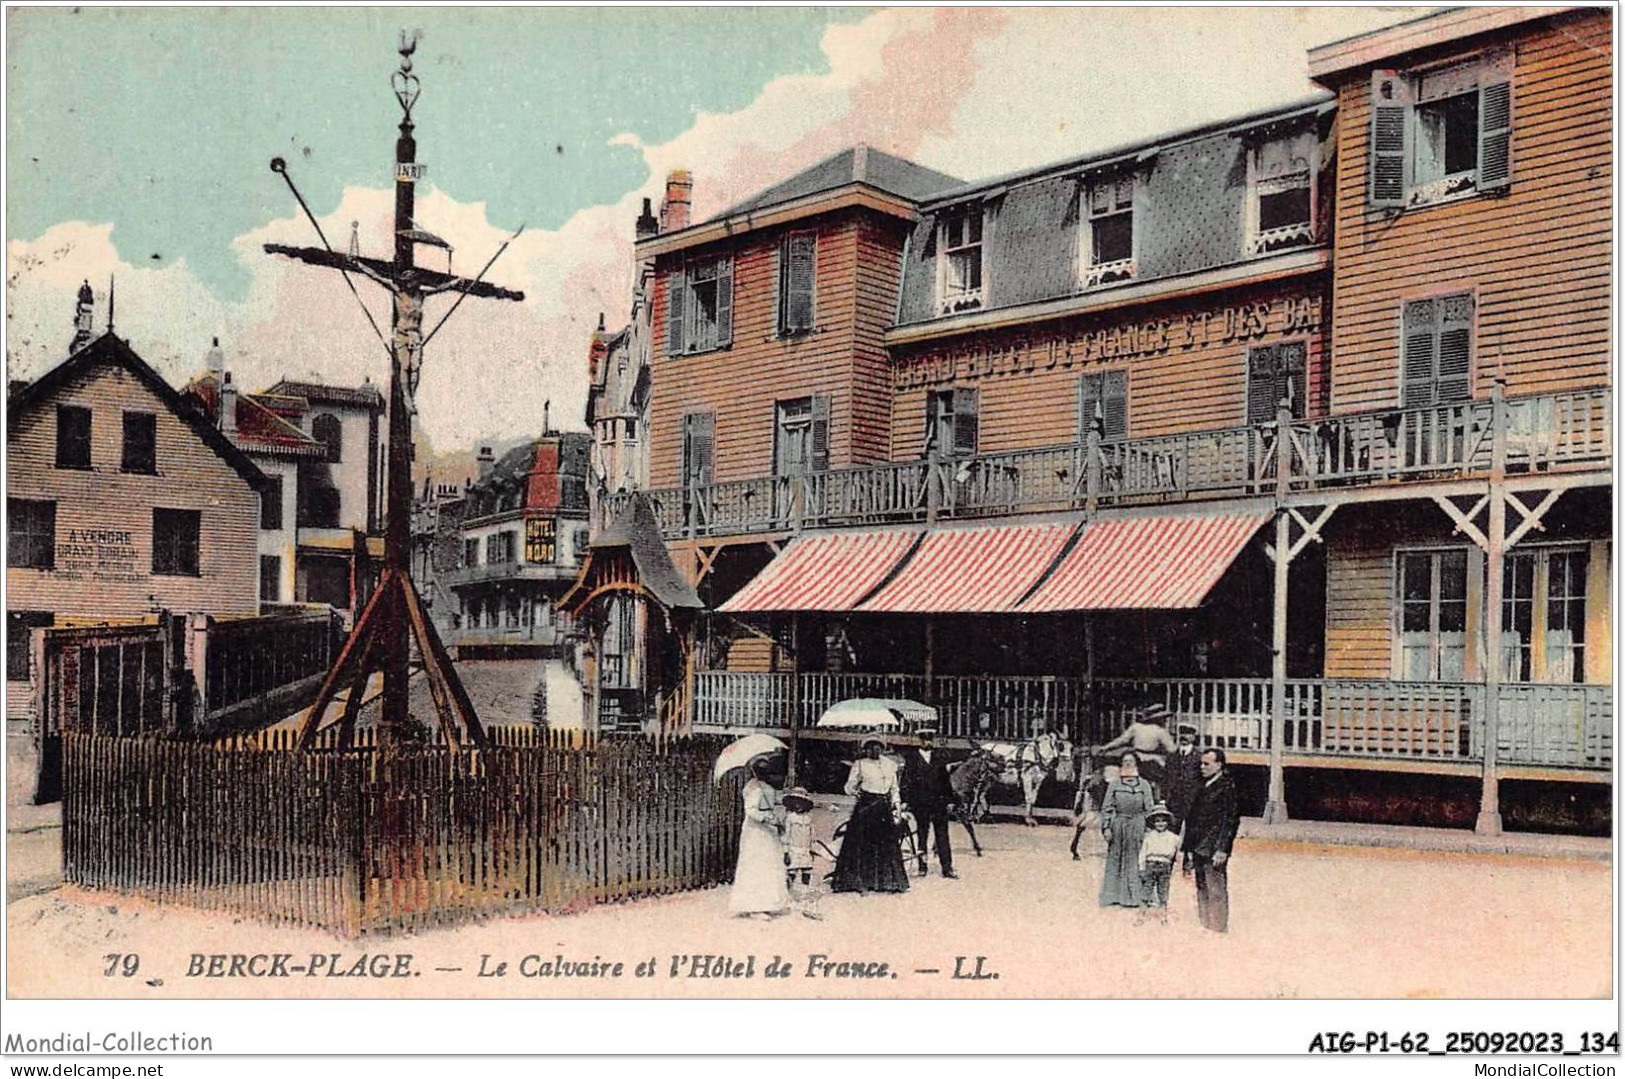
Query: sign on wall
[{"x": 99, "y": 554}]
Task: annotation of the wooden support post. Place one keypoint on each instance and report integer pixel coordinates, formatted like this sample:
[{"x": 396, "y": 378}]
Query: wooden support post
[
  {"x": 795, "y": 701},
  {"x": 1091, "y": 468},
  {"x": 1489, "y": 808},
  {"x": 1275, "y": 806},
  {"x": 933, "y": 493}
]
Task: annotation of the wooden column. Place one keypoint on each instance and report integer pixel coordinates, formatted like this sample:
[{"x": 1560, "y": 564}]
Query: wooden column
[
  {"x": 1275, "y": 806},
  {"x": 795, "y": 701},
  {"x": 1489, "y": 808}
]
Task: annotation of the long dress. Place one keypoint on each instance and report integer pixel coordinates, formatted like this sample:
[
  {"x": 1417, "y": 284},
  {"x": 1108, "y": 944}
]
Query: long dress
[
  {"x": 1123, "y": 813},
  {"x": 759, "y": 885},
  {"x": 871, "y": 858}
]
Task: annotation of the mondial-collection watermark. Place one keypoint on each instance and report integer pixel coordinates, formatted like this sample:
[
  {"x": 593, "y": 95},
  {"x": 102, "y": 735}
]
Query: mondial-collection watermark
[
  {"x": 1542, "y": 1071},
  {"x": 131, "y": 1041}
]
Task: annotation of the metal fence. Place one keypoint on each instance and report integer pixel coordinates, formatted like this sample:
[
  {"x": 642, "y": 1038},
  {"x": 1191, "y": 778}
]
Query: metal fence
[{"x": 356, "y": 842}]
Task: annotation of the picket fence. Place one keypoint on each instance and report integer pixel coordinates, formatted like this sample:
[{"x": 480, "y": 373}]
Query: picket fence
[{"x": 355, "y": 842}]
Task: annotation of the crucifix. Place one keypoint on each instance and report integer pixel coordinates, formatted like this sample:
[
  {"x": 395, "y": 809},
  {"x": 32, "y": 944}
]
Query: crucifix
[{"x": 394, "y": 615}]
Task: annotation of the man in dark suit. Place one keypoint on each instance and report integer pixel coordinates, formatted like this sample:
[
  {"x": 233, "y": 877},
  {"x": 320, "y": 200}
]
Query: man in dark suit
[
  {"x": 1210, "y": 832},
  {"x": 1184, "y": 776},
  {"x": 928, "y": 791}
]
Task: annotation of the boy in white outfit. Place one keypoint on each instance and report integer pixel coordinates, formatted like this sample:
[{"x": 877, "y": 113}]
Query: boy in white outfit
[
  {"x": 1158, "y": 850},
  {"x": 798, "y": 852}
]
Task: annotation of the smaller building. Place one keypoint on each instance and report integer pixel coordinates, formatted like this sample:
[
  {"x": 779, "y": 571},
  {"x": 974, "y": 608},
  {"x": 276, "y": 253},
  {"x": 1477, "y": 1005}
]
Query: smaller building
[{"x": 493, "y": 560}]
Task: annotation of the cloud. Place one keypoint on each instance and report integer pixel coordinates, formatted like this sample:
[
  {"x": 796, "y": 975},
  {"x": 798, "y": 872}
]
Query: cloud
[{"x": 940, "y": 86}]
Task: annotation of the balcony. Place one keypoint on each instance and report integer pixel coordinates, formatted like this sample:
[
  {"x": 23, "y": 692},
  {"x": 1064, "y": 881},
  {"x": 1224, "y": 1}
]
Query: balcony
[
  {"x": 1544, "y": 433},
  {"x": 463, "y": 576},
  {"x": 1434, "y": 725}
]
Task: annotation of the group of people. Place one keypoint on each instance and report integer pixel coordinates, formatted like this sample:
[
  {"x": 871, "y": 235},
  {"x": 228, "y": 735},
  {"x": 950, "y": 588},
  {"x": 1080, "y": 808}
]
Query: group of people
[
  {"x": 775, "y": 870},
  {"x": 1169, "y": 799}
]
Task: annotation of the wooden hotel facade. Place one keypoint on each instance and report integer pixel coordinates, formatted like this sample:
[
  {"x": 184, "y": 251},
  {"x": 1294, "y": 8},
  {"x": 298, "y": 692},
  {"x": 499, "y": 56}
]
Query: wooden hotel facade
[{"x": 1300, "y": 424}]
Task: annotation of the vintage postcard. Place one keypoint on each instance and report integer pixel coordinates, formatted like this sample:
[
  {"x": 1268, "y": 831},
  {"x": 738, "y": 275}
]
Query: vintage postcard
[{"x": 829, "y": 504}]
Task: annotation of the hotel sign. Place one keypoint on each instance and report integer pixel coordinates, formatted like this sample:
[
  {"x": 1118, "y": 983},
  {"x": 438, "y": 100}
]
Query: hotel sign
[{"x": 1026, "y": 352}]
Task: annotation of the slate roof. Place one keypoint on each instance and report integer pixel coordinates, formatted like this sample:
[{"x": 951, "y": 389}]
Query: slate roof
[
  {"x": 111, "y": 350},
  {"x": 635, "y": 528},
  {"x": 858, "y": 164},
  {"x": 261, "y": 426},
  {"x": 365, "y": 396}
]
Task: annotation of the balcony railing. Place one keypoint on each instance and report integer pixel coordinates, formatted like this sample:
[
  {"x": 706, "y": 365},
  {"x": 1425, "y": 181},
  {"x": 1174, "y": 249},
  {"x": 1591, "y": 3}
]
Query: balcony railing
[
  {"x": 1560, "y": 726},
  {"x": 504, "y": 571},
  {"x": 1364, "y": 448}
]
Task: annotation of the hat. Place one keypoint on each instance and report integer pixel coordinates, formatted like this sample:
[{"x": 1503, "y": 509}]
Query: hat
[
  {"x": 1156, "y": 711},
  {"x": 872, "y": 739},
  {"x": 926, "y": 732},
  {"x": 796, "y": 800},
  {"x": 1188, "y": 728},
  {"x": 1159, "y": 810}
]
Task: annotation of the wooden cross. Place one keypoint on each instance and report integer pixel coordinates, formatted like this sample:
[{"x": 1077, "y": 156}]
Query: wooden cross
[{"x": 394, "y": 616}]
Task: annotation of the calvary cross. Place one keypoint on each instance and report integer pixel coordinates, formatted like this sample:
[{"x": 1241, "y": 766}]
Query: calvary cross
[{"x": 394, "y": 615}]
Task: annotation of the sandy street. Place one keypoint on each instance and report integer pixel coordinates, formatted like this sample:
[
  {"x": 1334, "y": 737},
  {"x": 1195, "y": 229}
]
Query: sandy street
[{"x": 1308, "y": 921}]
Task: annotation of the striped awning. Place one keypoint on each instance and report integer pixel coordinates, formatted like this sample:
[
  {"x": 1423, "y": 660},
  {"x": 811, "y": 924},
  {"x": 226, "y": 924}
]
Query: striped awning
[
  {"x": 829, "y": 571},
  {"x": 973, "y": 570},
  {"x": 1155, "y": 562}
]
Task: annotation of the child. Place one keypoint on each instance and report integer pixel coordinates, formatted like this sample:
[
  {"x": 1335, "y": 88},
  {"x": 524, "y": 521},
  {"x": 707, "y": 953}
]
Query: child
[
  {"x": 798, "y": 852},
  {"x": 1157, "y": 852}
]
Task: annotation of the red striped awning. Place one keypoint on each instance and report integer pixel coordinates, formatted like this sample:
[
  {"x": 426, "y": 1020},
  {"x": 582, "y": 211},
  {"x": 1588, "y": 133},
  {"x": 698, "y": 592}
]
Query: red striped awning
[
  {"x": 829, "y": 571},
  {"x": 973, "y": 570},
  {"x": 1157, "y": 563}
]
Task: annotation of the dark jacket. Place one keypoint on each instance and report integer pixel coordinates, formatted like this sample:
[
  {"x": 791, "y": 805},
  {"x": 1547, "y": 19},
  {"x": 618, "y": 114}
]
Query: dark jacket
[
  {"x": 927, "y": 788},
  {"x": 1212, "y": 822},
  {"x": 1182, "y": 781}
]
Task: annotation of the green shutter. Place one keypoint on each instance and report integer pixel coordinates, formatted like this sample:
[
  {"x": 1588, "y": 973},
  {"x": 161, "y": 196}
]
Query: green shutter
[
  {"x": 1419, "y": 341},
  {"x": 1114, "y": 392},
  {"x": 796, "y": 273},
  {"x": 965, "y": 421},
  {"x": 1262, "y": 392},
  {"x": 1390, "y": 142},
  {"x": 725, "y": 301},
  {"x": 676, "y": 287},
  {"x": 820, "y": 432},
  {"x": 1495, "y": 123},
  {"x": 1455, "y": 374}
]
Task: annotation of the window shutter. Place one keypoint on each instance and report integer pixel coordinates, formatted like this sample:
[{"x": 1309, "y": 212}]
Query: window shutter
[
  {"x": 820, "y": 432},
  {"x": 1455, "y": 376},
  {"x": 796, "y": 303},
  {"x": 1088, "y": 394},
  {"x": 1114, "y": 391},
  {"x": 701, "y": 440},
  {"x": 725, "y": 301},
  {"x": 1390, "y": 138},
  {"x": 1420, "y": 332},
  {"x": 1262, "y": 363},
  {"x": 1495, "y": 124},
  {"x": 965, "y": 421},
  {"x": 676, "y": 287}
]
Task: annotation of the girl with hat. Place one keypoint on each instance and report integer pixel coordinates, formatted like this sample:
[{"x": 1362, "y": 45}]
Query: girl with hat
[
  {"x": 798, "y": 852},
  {"x": 1157, "y": 853},
  {"x": 871, "y": 858}
]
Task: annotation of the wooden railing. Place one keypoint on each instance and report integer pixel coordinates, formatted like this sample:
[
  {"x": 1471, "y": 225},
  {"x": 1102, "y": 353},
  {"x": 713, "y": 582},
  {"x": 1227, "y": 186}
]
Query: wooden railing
[
  {"x": 1390, "y": 445},
  {"x": 1567, "y": 726}
]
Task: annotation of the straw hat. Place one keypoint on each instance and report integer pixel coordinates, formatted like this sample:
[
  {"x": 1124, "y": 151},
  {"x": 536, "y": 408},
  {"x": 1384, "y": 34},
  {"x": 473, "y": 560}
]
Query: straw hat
[
  {"x": 1159, "y": 810},
  {"x": 796, "y": 800}
]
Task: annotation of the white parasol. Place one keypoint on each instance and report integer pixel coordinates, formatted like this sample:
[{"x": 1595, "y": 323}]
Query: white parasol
[
  {"x": 877, "y": 714},
  {"x": 742, "y": 752}
]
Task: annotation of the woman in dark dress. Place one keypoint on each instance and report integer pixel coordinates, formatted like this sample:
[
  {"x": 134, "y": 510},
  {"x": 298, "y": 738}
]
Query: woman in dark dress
[
  {"x": 871, "y": 858},
  {"x": 1122, "y": 814}
]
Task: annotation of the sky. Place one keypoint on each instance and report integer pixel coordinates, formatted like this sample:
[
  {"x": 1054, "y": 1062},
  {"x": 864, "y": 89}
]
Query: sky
[{"x": 138, "y": 141}]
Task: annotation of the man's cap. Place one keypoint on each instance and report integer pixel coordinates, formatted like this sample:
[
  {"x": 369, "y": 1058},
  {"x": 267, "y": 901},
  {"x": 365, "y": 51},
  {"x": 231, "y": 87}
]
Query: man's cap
[
  {"x": 926, "y": 732},
  {"x": 1188, "y": 728}
]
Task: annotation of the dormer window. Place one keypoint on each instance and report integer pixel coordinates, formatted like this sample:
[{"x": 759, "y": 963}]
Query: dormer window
[
  {"x": 1109, "y": 231},
  {"x": 960, "y": 241},
  {"x": 1281, "y": 196}
]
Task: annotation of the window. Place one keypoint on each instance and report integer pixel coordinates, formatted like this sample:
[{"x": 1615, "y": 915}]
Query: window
[
  {"x": 1437, "y": 367},
  {"x": 30, "y": 534},
  {"x": 801, "y": 436},
  {"x": 175, "y": 542},
  {"x": 797, "y": 262},
  {"x": 699, "y": 436},
  {"x": 318, "y": 506},
  {"x": 1277, "y": 373},
  {"x": 959, "y": 287},
  {"x": 499, "y": 547},
  {"x": 327, "y": 580},
  {"x": 1281, "y": 203},
  {"x": 631, "y": 430},
  {"x": 19, "y": 627},
  {"x": 1433, "y": 615},
  {"x": 328, "y": 430},
  {"x": 699, "y": 315},
  {"x": 1103, "y": 403},
  {"x": 1441, "y": 133},
  {"x": 1109, "y": 235},
  {"x": 271, "y": 504},
  {"x": 541, "y": 540},
  {"x": 270, "y": 578},
  {"x": 1543, "y": 616},
  {"x": 72, "y": 437},
  {"x": 951, "y": 422},
  {"x": 140, "y": 443},
  {"x": 471, "y": 552}
]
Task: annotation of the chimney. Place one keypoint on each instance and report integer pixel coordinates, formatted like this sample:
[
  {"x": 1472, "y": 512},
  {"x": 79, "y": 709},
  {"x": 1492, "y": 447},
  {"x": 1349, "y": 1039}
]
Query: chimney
[
  {"x": 674, "y": 207},
  {"x": 486, "y": 460},
  {"x": 228, "y": 406},
  {"x": 547, "y": 411},
  {"x": 82, "y": 316},
  {"x": 647, "y": 226}
]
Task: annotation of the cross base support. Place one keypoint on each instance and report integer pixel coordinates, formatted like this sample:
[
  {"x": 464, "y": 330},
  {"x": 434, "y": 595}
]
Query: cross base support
[
  {"x": 1488, "y": 824},
  {"x": 1275, "y": 812}
]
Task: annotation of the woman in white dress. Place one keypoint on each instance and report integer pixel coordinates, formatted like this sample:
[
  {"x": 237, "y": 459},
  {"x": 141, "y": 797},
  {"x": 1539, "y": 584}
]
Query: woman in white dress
[{"x": 759, "y": 887}]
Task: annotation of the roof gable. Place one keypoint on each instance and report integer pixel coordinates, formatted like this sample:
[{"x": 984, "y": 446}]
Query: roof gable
[{"x": 109, "y": 350}]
